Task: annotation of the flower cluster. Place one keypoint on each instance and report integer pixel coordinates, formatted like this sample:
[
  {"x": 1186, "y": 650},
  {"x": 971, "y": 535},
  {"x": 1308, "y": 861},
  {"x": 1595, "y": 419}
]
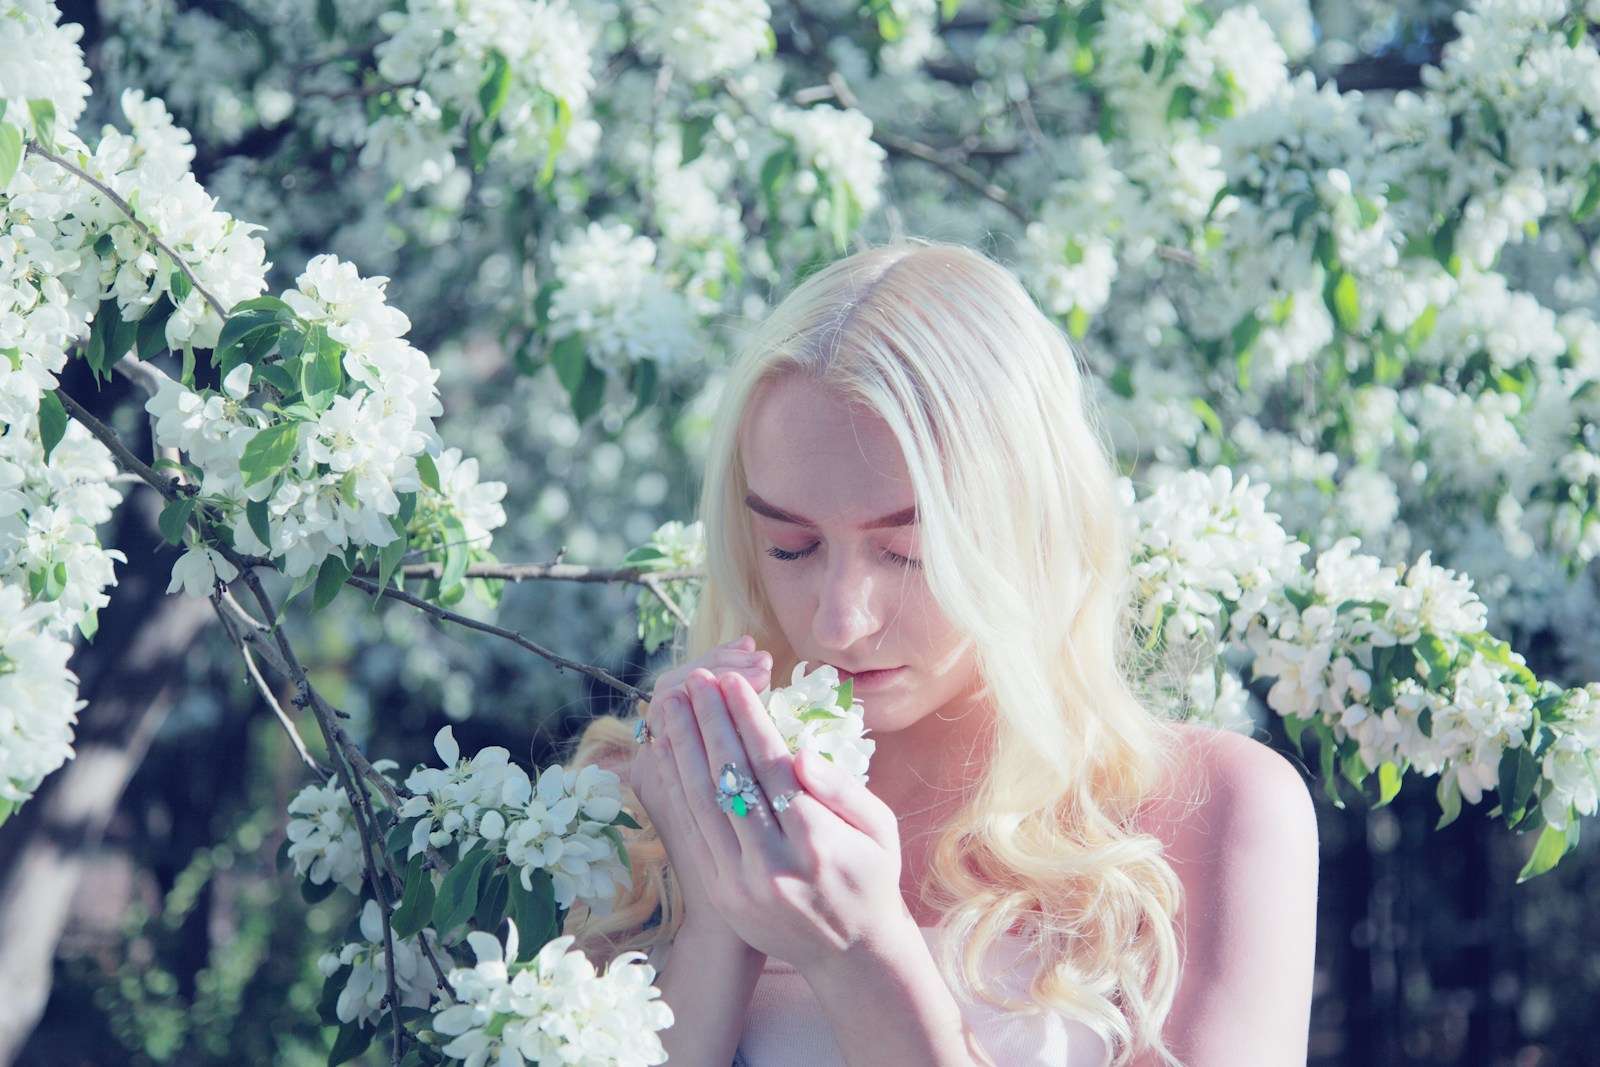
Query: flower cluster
[
  {"x": 816, "y": 711},
  {"x": 674, "y": 546},
  {"x": 53, "y": 580},
  {"x": 521, "y": 67},
  {"x": 553, "y": 1009},
  {"x": 705, "y": 38},
  {"x": 836, "y": 155},
  {"x": 361, "y": 1000},
  {"x": 324, "y": 843},
  {"x": 612, "y": 298},
  {"x": 343, "y": 469},
  {"x": 560, "y": 824}
]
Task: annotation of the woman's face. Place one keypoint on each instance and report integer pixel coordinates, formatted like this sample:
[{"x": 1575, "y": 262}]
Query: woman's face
[{"x": 833, "y": 515}]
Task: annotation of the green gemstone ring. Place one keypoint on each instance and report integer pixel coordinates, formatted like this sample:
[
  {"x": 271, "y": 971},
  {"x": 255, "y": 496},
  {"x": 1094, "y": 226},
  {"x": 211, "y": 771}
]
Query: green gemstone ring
[{"x": 736, "y": 791}]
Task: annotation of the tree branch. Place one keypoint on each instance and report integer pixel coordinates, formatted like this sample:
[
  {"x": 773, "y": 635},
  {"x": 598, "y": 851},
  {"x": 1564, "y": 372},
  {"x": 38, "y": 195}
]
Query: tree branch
[
  {"x": 127, "y": 209},
  {"x": 599, "y": 674}
]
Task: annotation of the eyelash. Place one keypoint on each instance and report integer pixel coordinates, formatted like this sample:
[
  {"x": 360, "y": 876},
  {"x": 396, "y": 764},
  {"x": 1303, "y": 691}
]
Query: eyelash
[{"x": 778, "y": 553}]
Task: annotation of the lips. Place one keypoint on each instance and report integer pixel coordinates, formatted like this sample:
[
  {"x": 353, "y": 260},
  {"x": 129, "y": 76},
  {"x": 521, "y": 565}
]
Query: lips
[{"x": 870, "y": 670}]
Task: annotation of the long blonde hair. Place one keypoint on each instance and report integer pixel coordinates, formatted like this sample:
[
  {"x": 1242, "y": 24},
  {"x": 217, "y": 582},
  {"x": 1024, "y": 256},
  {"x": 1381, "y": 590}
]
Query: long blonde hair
[{"x": 1024, "y": 543}]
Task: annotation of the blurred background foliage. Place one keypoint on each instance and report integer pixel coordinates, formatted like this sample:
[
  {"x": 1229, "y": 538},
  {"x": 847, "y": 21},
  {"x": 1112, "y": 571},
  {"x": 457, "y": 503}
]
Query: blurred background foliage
[{"x": 184, "y": 945}]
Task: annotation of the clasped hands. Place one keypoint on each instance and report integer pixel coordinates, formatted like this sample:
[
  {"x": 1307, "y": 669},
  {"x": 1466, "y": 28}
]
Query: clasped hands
[{"x": 815, "y": 885}]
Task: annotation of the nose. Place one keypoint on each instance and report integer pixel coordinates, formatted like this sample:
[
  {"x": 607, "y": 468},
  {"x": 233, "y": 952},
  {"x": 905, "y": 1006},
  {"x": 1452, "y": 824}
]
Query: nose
[{"x": 849, "y": 607}]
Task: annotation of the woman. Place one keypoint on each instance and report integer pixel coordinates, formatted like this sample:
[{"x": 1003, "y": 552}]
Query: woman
[{"x": 904, "y": 476}]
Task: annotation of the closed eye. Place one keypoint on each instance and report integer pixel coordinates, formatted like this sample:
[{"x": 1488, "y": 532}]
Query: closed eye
[{"x": 778, "y": 553}]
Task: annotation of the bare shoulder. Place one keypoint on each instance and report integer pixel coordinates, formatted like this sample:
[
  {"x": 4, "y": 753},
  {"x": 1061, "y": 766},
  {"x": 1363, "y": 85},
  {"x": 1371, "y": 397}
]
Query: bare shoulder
[
  {"x": 1240, "y": 832},
  {"x": 1229, "y": 789}
]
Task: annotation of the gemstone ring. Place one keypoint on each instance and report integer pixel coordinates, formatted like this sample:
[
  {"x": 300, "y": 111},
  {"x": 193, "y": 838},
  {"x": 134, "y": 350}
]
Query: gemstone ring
[{"x": 736, "y": 791}]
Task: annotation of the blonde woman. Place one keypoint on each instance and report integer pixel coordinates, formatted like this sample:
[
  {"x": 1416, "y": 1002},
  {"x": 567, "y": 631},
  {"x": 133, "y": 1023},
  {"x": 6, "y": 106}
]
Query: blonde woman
[{"x": 905, "y": 481}]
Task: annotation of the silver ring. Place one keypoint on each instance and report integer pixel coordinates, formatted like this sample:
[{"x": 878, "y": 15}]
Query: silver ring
[
  {"x": 781, "y": 801},
  {"x": 641, "y": 733},
  {"x": 736, "y": 791}
]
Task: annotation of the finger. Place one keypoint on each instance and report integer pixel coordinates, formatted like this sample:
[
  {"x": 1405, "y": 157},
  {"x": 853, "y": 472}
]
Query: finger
[
  {"x": 686, "y": 847},
  {"x": 757, "y": 830},
  {"x": 773, "y": 764},
  {"x": 759, "y": 674},
  {"x": 849, "y": 799},
  {"x": 698, "y": 782}
]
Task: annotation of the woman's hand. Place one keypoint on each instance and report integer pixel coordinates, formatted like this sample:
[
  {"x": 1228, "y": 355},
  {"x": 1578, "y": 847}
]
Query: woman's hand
[
  {"x": 808, "y": 885},
  {"x": 653, "y": 776}
]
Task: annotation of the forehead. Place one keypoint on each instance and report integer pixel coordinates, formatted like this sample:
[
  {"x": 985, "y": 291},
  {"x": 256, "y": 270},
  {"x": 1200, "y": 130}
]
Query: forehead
[{"x": 805, "y": 448}]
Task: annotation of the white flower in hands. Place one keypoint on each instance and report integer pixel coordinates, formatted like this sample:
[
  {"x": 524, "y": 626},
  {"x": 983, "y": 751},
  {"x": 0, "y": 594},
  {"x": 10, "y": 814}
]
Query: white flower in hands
[
  {"x": 819, "y": 712},
  {"x": 197, "y": 569}
]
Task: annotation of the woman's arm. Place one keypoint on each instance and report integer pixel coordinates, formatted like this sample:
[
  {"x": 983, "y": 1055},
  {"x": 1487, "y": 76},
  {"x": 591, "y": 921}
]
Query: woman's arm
[
  {"x": 1248, "y": 863},
  {"x": 707, "y": 980}
]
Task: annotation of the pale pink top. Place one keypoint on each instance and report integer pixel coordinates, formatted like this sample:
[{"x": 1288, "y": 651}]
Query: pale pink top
[{"x": 786, "y": 1028}]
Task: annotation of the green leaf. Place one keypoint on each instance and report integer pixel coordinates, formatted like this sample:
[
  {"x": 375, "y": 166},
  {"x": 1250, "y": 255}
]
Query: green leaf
[
  {"x": 624, "y": 819},
  {"x": 352, "y": 1041},
  {"x": 495, "y": 899},
  {"x": 694, "y": 137},
  {"x": 180, "y": 286},
  {"x": 615, "y": 837},
  {"x": 52, "y": 422},
  {"x": 1347, "y": 303},
  {"x": 327, "y": 17},
  {"x": 1519, "y": 777},
  {"x": 312, "y": 893},
  {"x": 644, "y": 381},
  {"x": 496, "y": 87},
  {"x": 174, "y": 517},
  {"x": 281, "y": 861},
  {"x": 1078, "y": 323},
  {"x": 818, "y": 715},
  {"x": 44, "y": 122},
  {"x": 534, "y": 912},
  {"x": 152, "y": 337},
  {"x": 1448, "y": 794},
  {"x": 1437, "y": 657},
  {"x": 321, "y": 367},
  {"x": 456, "y": 553},
  {"x": 775, "y": 172},
  {"x": 427, "y": 471},
  {"x": 458, "y": 893},
  {"x": 48, "y": 583},
  {"x": 1330, "y": 783},
  {"x": 847, "y": 693},
  {"x": 1585, "y": 206},
  {"x": 269, "y": 452},
  {"x": 1354, "y": 768},
  {"x": 256, "y": 513},
  {"x": 416, "y": 901},
  {"x": 1420, "y": 330},
  {"x": 1547, "y": 852},
  {"x": 1388, "y": 782},
  {"x": 389, "y": 557},
  {"x": 10, "y": 152},
  {"x": 1294, "y": 727},
  {"x": 328, "y": 1002},
  {"x": 330, "y": 579}
]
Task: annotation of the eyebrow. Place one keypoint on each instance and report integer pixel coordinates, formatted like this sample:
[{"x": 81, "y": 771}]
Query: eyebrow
[{"x": 903, "y": 517}]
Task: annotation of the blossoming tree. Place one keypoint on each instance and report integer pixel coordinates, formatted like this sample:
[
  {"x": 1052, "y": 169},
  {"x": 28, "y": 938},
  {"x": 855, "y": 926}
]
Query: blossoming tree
[{"x": 1377, "y": 305}]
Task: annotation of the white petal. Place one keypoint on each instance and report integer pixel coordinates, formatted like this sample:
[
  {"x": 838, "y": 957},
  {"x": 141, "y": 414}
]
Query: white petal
[{"x": 444, "y": 743}]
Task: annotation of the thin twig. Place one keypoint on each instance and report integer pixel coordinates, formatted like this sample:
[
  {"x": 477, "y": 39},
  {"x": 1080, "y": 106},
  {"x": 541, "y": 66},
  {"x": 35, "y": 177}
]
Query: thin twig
[
  {"x": 520, "y": 572},
  {"x": 599, "y": 674},
  {"x": 127, "y": 209},
  {"x": 322, "y": 773},
  {"x": 652, "y": 583}
]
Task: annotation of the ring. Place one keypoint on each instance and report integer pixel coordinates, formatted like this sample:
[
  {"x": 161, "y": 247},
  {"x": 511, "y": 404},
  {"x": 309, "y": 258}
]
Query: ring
[
  {"x": 641, "y": 733},
  {"x": 781, "y": 801},
  {"x": 736, "y": 791}
]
